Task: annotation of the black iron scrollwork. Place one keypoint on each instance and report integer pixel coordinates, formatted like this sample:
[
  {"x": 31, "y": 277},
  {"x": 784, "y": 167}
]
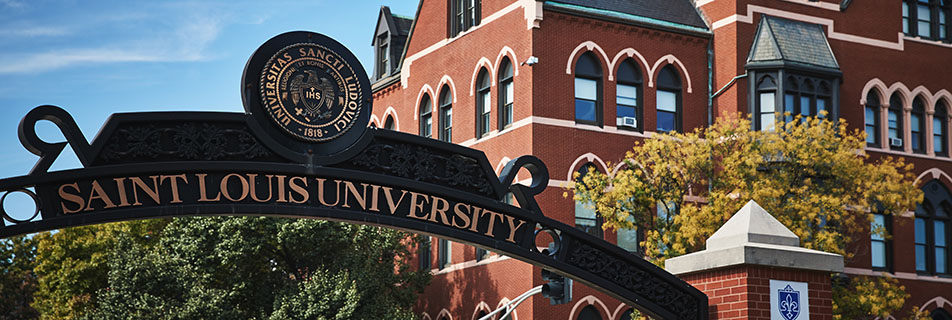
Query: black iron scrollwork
[
  {"x": 11, "y": 219},
  {"x": 49, "y": 151},
  {"x": 525, "y": 195},
  {"x": 178, "y": 141},
  {"x": 426, "y": 165},
  {"x": 638, "y": 281}
]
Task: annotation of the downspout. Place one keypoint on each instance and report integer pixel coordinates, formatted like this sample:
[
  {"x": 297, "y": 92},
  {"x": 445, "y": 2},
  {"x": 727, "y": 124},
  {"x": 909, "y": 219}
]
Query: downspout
[
  {"x": 710, "y": 83},
  {"x": 728, "y": 85}
]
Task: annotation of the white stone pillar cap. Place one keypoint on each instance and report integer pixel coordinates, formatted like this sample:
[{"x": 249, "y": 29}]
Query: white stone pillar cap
[{"x": 754, "y": 237}]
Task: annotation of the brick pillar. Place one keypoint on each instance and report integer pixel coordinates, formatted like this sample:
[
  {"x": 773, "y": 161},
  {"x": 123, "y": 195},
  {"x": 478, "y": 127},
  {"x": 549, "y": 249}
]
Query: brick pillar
[{"x": 741, "y": 259}]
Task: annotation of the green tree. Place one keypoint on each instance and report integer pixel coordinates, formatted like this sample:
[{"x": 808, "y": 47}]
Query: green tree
[
  {"x": 73, "y": 263},
  {"x": 810, "y": 174},
  {"x": 17, "y": 280},
  {"x": 236, "y": 268}
]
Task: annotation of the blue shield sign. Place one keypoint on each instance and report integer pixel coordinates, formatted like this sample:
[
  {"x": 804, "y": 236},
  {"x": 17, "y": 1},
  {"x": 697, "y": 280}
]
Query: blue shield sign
[{"x": 789, "y": 303}]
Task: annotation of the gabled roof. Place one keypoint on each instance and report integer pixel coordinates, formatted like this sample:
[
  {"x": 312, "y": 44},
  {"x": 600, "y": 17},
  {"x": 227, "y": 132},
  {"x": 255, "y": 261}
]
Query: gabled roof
[
  {"x": 794, "y": 43},
  {"x": 681, "y": 12}
]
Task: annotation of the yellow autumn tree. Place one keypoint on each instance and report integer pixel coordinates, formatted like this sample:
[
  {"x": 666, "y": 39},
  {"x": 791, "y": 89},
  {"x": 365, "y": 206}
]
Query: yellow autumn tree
[{"x": 809, "y": 173}]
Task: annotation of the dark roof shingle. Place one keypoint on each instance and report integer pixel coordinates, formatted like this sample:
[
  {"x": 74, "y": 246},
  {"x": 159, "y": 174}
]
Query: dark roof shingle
[
  {"x": 675, "y": 11},
  {"x": 783, "y": 40}
]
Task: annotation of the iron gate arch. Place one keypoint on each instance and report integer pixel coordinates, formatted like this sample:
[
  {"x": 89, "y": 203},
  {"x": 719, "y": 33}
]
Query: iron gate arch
[{"x": 168, "y": 164}]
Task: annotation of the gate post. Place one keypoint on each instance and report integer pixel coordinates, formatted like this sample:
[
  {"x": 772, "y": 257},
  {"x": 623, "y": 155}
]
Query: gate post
[{"x": 754, "y": 268}]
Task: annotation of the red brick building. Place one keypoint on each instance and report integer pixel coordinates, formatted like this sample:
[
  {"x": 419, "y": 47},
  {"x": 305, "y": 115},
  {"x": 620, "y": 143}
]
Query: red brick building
[{"x": 576, "y": 82}]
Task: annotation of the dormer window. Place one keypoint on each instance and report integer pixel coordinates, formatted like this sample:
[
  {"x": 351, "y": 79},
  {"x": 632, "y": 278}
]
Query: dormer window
[
  {"x": 383, "y": 56},
  {"x": 463, "y": 14}
]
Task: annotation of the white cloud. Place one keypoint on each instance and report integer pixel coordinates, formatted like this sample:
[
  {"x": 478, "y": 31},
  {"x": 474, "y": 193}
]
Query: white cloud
[
  {"x": 33, "y": 32},
  {"x": 12, "y": 3},
  {"x": 187, "y": 41}
]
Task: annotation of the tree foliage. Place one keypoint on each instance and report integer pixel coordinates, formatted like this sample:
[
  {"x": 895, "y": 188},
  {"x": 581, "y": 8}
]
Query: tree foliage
[
  {"x": 229, "y": 268},
  {"x": 17, "y": 280},
  {"x": 810, "y": 174}
]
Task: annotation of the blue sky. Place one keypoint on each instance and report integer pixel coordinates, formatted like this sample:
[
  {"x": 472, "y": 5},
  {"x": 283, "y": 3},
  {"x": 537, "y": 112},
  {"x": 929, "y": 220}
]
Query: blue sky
[{"x": 95, "y": 58}]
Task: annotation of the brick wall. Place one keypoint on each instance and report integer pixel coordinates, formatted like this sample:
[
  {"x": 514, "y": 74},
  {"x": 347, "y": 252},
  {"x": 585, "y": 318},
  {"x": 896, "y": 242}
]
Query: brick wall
[{"x": 743, "y": 292}]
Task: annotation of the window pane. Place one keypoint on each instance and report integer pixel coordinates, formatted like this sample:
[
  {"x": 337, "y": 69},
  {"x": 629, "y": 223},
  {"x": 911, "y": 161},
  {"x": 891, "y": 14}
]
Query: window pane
[
  {"x": 767, "y": 102},
  {"x": 905, "y": 17},
  {"x": 942, "y": 22},
  {"x": 584, "y": 110},
  {"x": 627, "y": 95},
  {"x": 870, "y": 116},
  {"x": 939, "y": 228},
  {"x": 921, "y": 258},
  {"x": 939, "y": 144},
  {"x": 879, "y": 221},
  {"x": 667, "y": 101},
  {"x": 767, "y": 121},
  {"x": 805, "y": 106},
  {"x": 920, "y": 231},
  {"x": 624, "y": 111},
  {"x": 821, "y": 106},
  {"x": 586, "y": 89},
  {"x": 878, "y": 252},
  {"x": 936, "y": 126},
  {"x": 509, "y": 92},
  {"x": 915, "y": 122},
  {"x": 628, "y": 239},
  {"x": 940, "y": 211},
  {"x": 940, "y": 260},
  {"x": 666, "y": 121},
  {"x": 893, "y": 124},
  {"x": 870, "y": 134}
]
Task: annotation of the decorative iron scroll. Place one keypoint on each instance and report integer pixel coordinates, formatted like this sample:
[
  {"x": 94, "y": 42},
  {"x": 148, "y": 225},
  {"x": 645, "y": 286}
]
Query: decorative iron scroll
[
  {"x": 426, "y": 165},
  {"x": 137, "y": 142}
]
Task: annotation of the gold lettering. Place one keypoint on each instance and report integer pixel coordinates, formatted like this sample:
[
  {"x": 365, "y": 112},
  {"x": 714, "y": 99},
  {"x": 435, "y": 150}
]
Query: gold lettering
[
  {"x": 374, "y": 194},
  {"x": 440, "y": 206},
  {"x": 462, "y": 215},
  {"x": 74, "y": 198},
  {"x": 320, "y": 192},
  {"x": 244, "y": 187},
  {"x": 476, "y": 212},
  {"x": 121, "y": 186},
  {"x": 202, "y": 193},
  {"x": 151, "y": 192},
  {"x": 389, "y": 196},
  {"x": 414, "y": 205},
  {"x": 253, "y": 183},
  {"x": 352, "y": 189},
  {"x": 175, "y": 189},
  {"x": 98, "y": 193},
  {"x": 281, "y": 195},
  {"x": 300, "y": 190},
  {"x": 492, "y": 222},
  {"x": 513, "y": 227}
]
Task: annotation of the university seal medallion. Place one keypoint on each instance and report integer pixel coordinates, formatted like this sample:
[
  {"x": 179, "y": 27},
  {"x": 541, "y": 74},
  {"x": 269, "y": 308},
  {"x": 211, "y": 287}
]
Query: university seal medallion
[{"x": 311, "y": 92}]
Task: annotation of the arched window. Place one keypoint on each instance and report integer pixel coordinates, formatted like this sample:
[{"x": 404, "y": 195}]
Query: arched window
[
  {"x": 896, "y": 135},
  {"x": 388, "y": 124},
  {"x": 588, "y": 89},
  {"x": 766, "y": 116},
  {"x": 506, "y": 93},
  {"x": 628, "y": 96},
  {"x": 932, "y": 230},
  {"x": 446, "y": 114},
  {"x": 589, "y": 313},
  {"x": 872, "y": 119},
  {"x": 585, "y": 217},
  {"x": 940, "y": 129},
  {"x": 426, "y": 117},
  {"x": 917, "y": 122},
  {"x": 483, "y": 105},
  {"x": 940, "y": 314},
  {"x": 481, "y": 314},
  {"x": 669, "y": 100}
]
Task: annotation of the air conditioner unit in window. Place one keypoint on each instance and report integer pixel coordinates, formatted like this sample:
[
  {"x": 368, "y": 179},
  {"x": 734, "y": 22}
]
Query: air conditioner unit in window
[
  {"x": 895, "y": 142},
  {"x": 630, "y": 122}
]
